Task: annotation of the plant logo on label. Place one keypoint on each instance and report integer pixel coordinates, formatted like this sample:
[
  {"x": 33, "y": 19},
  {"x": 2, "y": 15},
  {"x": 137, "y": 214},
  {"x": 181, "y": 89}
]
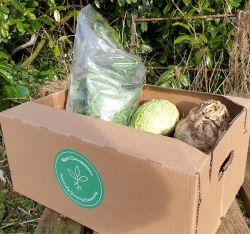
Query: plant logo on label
[{"x": 78, "y": 178}]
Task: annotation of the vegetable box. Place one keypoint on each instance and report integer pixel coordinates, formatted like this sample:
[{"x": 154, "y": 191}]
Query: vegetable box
[{"x": 115, "y": 179}]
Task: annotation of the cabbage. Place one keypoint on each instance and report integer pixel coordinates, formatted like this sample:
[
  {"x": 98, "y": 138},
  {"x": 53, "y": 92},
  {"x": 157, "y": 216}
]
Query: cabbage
[{"x": 156, "y": 116}]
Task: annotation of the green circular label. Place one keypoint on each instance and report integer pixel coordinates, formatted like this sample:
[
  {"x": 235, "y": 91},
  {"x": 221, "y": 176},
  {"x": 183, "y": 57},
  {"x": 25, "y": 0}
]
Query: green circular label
[{"x": 78, "y": 178}]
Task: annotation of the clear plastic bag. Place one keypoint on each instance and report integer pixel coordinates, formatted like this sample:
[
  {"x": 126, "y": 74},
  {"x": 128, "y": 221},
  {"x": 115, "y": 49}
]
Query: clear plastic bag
[{"x": 106, "y": 81}]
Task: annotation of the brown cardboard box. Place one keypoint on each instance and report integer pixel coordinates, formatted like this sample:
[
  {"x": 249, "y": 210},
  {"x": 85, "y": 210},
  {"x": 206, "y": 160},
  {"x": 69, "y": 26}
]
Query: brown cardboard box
[{"x": 151, "y": 183}]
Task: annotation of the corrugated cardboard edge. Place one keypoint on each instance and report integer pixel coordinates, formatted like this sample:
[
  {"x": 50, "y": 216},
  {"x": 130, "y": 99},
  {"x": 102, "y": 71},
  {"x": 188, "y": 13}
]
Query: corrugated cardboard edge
[{"x": 198, "y": 202}]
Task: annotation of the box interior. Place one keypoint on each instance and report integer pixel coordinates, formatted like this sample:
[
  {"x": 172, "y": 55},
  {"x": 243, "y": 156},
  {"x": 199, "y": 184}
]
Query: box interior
[
  {"x": 59, "y": 99},
  {"x": 184, "y": 100}
]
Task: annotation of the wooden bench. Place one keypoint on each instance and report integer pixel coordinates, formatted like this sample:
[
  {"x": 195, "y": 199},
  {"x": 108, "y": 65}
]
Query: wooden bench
[
  {"x": 53, "y": 223},
  {"x": 233, "y": 223}
]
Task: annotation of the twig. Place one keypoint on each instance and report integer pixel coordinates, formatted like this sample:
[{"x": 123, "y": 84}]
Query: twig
[
  {"x": 133, "y": 34},
  {"x": 30, "y": 221},
  {"x": 40, "y": 45},
  {"x": 14, "y": 223},
  {"x": 32, "y": 57},
  {"x": 185, "y": 68},
  {"x": 24, "y": 211},
  {"x": 187, "y": 18},
  {"x": 31, "y": 42}
]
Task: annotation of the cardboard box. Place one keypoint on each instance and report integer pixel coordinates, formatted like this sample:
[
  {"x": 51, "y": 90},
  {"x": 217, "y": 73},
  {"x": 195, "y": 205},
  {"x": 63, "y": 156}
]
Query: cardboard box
[{"x": 116, "y": 179}]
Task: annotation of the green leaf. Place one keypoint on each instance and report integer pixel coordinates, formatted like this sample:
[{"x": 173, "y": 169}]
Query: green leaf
[
  {"x": 45, "y": 20},
  {"x": 12, "y": 21},
  {"x": 16, "y": 91},
  {"x": 97, "y": 3},
  {"x": 9, "y": 91},
  {"x": 57, "y": 50},
  {"x": 17, "y": 5},
  {"x": 166, "y": 77},
  {"x": 197, "y": 57},
  {"x": 156, "y": 12},
  {"x": 163, "y": 59},
  {"x": 181, "y": 39},
  {"x": 201, "y": 2},
  {"x": 73, "y": 13},
  {"x": 167, "y": 8},
  {"x": 36, "y": 26},
  {"x": 57, "y": 16},
  {"x": 191, "y": 12},
  {"x": 32, "y": 16},
  {"x": 234, "y": 3},
  {"x": 209, "y": 9},
  {"x": 184, "y": 80},
  {"x": 61, "y": 8},
  {"x": 44, "y": 74},
  {"x": 51, "y": 44},
  {"x": 145, "y": 49},
  {"x": 121, "y": 2},
  {"x": 63, "y": 38},
  {"x": 186, "y": 2},
  {"x": 182, "y": 25},
  {"x": 6, "y": 67},
  {"x": 202, "y": 37},
  {"x": 20, "y": 27},
  {"x": 4, "y": 32},
  {"x": 4, "y": 55},
  {"x": 144, "y": 26},
  {"x": 5, "y": 10},
  {"x": 21, "y": 91},
  {"x": 209, "y": 60},
  {"x": 6, "y": 75},
  {"x": 174, "y": 84}
]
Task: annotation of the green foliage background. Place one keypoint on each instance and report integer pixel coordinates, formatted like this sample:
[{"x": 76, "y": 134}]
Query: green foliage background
[{"x": 178, "y": 46}]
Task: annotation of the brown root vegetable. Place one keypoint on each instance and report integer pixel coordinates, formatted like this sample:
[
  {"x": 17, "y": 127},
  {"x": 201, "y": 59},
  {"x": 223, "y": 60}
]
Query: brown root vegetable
[{"x": 203, "y": 125}]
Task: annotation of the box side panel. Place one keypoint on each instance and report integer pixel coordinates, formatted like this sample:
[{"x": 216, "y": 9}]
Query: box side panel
[
  {"x": 140, "y": 196},
  {"x": 233, "y": 176},
  {"x": 210, "y": 210},
  {"x": 238, "y": 166},
  {"x": 229, "y": 161},
  {"x": 131, "y": 141},
  {"x": 227, "y": 147},
  {"x": 227, "y": 173}
]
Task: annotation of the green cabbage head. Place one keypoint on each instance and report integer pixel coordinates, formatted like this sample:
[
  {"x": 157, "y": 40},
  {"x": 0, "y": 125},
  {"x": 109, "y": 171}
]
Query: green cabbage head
[{"x": 156, "y": 116}]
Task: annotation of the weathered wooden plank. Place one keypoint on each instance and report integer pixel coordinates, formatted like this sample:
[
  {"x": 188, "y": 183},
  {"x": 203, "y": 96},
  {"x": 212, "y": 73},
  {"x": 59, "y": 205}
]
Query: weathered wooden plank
[
  {"x": 234, "y": 222},
  {"x": 245, "y": 195},
  {"x": 53, "y": 223},
  {"x": 245, "y": 189}
]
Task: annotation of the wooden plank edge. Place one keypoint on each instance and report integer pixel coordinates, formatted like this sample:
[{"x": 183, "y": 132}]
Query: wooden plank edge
[
  {"x": 53, "y": 223},
  {"x": 233, "y": 222}
]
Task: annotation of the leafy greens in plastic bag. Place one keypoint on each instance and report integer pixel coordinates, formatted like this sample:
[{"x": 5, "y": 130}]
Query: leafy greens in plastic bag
[{"x": 106, "y": 81}]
